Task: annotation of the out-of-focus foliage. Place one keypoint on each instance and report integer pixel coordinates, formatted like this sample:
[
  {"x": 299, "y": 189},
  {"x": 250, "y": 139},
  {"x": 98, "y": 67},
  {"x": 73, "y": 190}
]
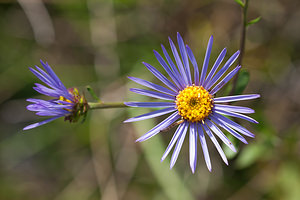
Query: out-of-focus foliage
[{"x": 100, "y": 43}]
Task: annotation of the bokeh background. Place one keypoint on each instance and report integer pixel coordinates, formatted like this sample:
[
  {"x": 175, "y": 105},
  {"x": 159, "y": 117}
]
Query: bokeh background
[{"x": 100, "y": 43}]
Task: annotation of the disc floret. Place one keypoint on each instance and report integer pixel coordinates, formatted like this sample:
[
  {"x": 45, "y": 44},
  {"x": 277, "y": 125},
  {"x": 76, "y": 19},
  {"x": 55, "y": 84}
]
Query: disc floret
[
  {"x": 80, "y": 105},
  {"x": 194, "y": 103}
]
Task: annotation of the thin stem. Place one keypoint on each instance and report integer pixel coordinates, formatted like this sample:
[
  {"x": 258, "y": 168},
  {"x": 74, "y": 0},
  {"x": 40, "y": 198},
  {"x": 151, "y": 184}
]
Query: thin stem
[
  {"x": 242, "y": 45},
  {"x": 102, "y": 105}
]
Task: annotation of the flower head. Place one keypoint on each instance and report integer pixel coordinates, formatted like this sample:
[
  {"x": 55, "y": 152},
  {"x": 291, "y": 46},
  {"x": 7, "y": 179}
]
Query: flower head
[
  {"x": 67, "y": 103},
  {"x": 191, "y": 102}
]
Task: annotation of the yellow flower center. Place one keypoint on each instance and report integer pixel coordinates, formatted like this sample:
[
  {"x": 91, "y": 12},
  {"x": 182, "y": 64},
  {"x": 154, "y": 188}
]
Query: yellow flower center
[
  {"x": 194, "y": 103},
  {"x": 79, "y": 105},
  {"x": 64, "y": 99}
]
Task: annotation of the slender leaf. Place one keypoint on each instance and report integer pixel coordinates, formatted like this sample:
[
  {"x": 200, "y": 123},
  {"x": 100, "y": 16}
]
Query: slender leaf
[
  {"x": 92, "y": 93},
  {"x": 240, "y": 2},
  {"x": 254, "y": 21},
  {"x": 250, "y": 155}
]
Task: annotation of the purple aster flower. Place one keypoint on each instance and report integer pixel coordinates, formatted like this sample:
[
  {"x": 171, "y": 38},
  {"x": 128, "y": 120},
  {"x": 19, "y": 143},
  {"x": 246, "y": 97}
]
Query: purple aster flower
[
  {"x": 191, "y": 102},
  {"x": 66, "y": 103}
]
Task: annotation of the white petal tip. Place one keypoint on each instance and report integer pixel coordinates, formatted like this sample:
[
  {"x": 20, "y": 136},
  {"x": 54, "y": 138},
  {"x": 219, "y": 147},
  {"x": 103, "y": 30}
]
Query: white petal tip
[
  {"x": 193, "y": 170},
  {"x": 31, "y": 126},
  {"x": 245, "y": 141},
  {"x": 138, "y": 140},
  {"x": 126, "y": 121},
  {"x": 172, "y": 165}
]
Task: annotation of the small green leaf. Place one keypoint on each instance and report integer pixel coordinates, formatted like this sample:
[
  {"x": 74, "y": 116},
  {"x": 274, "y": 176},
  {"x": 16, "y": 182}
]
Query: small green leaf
[
  {"x": 240, "y": 3},
  {"x": 92, "y": 93},
  {"x": 250, "y": 155},
  {"x": 254, "y": 21},
  {"x": 242, "y": 81}
]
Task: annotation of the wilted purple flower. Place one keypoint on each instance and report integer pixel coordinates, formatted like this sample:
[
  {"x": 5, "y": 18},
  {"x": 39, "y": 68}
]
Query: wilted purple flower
[
  {"x": 191, "y": 101},
  {"x": 67, "y": 103}
]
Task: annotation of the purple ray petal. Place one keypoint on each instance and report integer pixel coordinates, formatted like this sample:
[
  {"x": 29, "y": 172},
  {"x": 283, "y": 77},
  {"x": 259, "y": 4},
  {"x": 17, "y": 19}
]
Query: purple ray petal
[
  {"x": 174, "y": 68},
  {"x": 236, "y": 98},
  {"x": 150, "y": 115},
  {"x": 184, "y": 58},
  {"x": 204, "y": 146},
  {"x": 220, "y": 134},
  {"x": 52, "y": 83},
  {"x": 233, "y": 114},
  {"x": 39, "y": 101},
  {"x": 225, "y": 80},
  {"x": 52, "y": 74},
  {"x": 233, "y": 125},
  {"x": 150, "y": 104},
  {"x": 228, "y": 129},
  {"x": 178, "y": 62},
  {"x": 162, "y": 125},
  {"x": 167, "y": 69},
  {"x": 215, "y": 67},
  {"x": 195, "y": 65},
  {"x": 46, "y": 91},
  {"x": 51, "y": 104},
  {"x": 238, "y": 109},
  {"x": 58, "y": 86},
  {"x": 60, "y": 113},
  {"x": 178, "y": 145},
  {"x": 153, "y": 86},
  {"x": 40, "y": 123},
  {"x": 206, "y": 60},
  {"x": 39, "y": 107},
  {"x": 176, "y": 135},
  {"x": 161, "y": 77},
  {"x": 152, "y": 94},
  {"x": 223, "y": 70},
  {"x": 43, "y": 78},
  {"x": 214, "y": 140},
  {"x": 193, "y": 146}
]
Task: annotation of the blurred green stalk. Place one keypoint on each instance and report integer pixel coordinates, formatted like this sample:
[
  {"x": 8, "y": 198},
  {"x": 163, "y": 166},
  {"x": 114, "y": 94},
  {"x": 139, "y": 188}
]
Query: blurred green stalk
[
  {"x": 102, "y": 105},
  {"x": 242, "y": 44}
]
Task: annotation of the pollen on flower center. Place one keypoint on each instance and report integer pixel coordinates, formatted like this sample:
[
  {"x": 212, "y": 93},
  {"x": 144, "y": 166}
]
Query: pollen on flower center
[
  {"x": 79, "y": 105},
  {"x": 61, "y": 98},
  {"x": 194, "y": 103}
]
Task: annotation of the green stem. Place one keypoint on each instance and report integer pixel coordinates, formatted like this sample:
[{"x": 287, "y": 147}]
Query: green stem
[
  {"x": 102, "y": 105},
  {"x": 242, "y": 45}
]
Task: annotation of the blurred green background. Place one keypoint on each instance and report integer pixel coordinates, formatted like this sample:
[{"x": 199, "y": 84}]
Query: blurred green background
[{"x": 100, "y": 43}]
